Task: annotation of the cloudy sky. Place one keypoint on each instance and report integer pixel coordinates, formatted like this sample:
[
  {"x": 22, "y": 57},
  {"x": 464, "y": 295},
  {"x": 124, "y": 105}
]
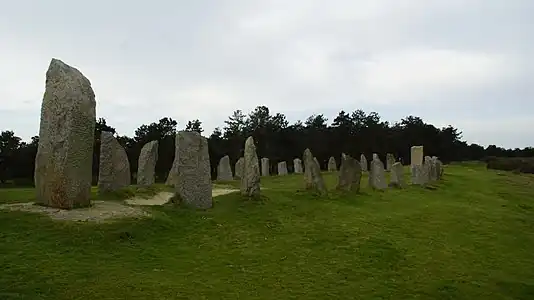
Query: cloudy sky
[{"x": 460, "y": 62}]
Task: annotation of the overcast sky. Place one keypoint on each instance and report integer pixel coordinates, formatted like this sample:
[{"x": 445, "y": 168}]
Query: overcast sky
[{"x": 465, "y": 63}]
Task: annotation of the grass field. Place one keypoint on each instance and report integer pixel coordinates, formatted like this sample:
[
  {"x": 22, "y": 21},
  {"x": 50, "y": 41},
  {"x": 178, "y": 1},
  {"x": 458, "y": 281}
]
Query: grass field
[{"x": 470, "y": 238}]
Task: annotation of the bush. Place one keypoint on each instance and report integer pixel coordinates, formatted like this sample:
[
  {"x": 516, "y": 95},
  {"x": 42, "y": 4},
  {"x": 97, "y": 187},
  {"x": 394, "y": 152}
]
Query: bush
[{"x": 516, "y": 164}]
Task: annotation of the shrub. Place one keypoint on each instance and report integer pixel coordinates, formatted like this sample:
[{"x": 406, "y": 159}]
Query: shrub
[{"x": 516, "y": 164}]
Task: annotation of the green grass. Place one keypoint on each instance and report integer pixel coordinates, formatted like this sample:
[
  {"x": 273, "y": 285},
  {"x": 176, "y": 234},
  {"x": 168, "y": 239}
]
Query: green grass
[{"x": 470, "y": 238}]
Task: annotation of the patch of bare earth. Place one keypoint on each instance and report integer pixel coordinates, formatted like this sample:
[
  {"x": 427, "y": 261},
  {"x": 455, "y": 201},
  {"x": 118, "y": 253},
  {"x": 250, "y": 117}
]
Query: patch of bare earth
[{"x": 104, "y": 211}]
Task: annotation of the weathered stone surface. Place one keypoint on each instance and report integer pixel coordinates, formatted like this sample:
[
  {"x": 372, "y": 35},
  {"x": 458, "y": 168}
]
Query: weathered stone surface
[
  {"x": 416, "y": 165},
  {"x": 114, "y": 167},
  {"x": 390, "y": 160},
  {"x": 363, "y": 162},
  {"x": 147, "y": 163},
  {"x": 239, "y": 165},
  {"x": 343, "y": 155},
  {"x": 375, "y": 156},
  {"x": 63, "y": 164},
  {"x": 350, "y": 174},
  {"x": 332, "y": 165},
  {"x": 193, "y": 184},
  {"x": 316, "y": 161},
  {"x": 265, "y": 166},
  {"x": 282, "y": 168},
  {"x": 224, "y": 170},
  {"x": 377, "y": 176},
  {"x": 297, "y": 164},
  {"x": 313, "y": 179},
  {"x": 439, "y": 168},
  {"x": 396, "y": 178},
  {"x": 250, "y": 181},
  {"x": 172, "y": 177}
]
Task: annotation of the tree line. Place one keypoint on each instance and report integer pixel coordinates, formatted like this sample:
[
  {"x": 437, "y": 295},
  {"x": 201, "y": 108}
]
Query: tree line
[{"x": 352, "y": 133}]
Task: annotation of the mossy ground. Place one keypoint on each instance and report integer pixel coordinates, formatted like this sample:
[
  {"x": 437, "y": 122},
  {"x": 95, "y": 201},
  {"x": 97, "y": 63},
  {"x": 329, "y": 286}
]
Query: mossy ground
[{"x": 469, "y": 238}]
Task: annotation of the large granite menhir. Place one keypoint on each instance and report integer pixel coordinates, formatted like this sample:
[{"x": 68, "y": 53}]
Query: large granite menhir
[
  {"x": 146, "y": 165},
  {"x": 350, "y": 174},
  {"x": 250, "y": 180},
  {"x": 173, "y": 172},
  {"x": 224, "y": 170},
  {"x": 114, "y": 167},
  {"x": 63, "y": 164},
  {"x": 193, "y": 183},
  {"x": 313, "y": 180}
]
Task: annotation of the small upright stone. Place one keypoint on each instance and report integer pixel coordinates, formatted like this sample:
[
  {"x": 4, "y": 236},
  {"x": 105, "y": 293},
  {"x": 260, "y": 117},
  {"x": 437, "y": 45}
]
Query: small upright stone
[
  {"x": 146, "y": 165},
  {"x": 377, "y": 177},
  {"x": 239, "y": 168},
  {"x": 390, "y": 160},
  {"x": 332, "y": 165},
  {"x": 363, "y": 162},
  {"x": 396, "y": 178},
  {"x": 250, "y": 180},
  {"x": 416, "y": 165},
  {"x": 193, "y": 185},
  {"x": 63, "y": 164},
  {"x": 265, "y": 166},
  {"x": 375, "y": 156},
  {"x": 297, "y": 165},
  {"x": 282, "y": 168},
  {"x": 114, "y": 167},
  {"x": 316, "y": 161},
  {"x": 173, "y": 172},
  {"x": 350, "y": 174},
  {"x": 224, "y": 171},
  {"x": 439, "y": 168},
  {"x": 312, "y": 174}
]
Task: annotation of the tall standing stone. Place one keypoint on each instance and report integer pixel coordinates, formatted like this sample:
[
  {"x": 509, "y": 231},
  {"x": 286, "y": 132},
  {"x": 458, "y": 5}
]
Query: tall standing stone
[
  {"x": 416, "y": 165},
  {"x": 396, "y": 178},
  {"x": 316, "y": 161},
  {"x": 377, "y": 176},
  {"x": 265, "y": 166},
  {"x": 114, "y": 167},
  {"x": 224, "y": 170},
  {"x": 313, "y": 179},
  {"x": 363, "y": 162},
  {"x": 390, "y": 160},
  {"x": 350, "y": 174},
  {"x": 193, "y": 184},
  {"x": 172, "y": 177},
  {"x": 63, "y": 164},
  {"x": 282, "y": 168},
  {"x": 239, "y": 168},
  {"x": 250, "y": 181},
  {"x": 146, "y": 165},
  {"x": 332, "y": 165},
  {"x": 297, "y": 165}
]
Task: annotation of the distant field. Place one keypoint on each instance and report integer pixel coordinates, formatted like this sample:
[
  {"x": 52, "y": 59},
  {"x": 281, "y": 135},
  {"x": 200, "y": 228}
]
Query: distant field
[{"x": 470, "y": 238}]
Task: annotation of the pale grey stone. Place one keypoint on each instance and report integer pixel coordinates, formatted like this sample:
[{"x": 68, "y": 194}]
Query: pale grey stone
[
  {"x": 224, "y": 170},
  {"x": 265, "y": 166},
  {"x": 350, "y": 174},
  {"x": 172, "y": 177},
  {"x": 377, "y": 177},
  {"x": 363, "y": 162},
  {"x": 297, "y": 164},
  {"x": 313, "y": 179},
  {"x": 63, "y": 164},
  {"x": 332, "y": 165},
  {"x": 250, "y": 180},
  {"x": 193, "y": 184},
  {"x": 146, "y": 165},
  {"x": 375, "y": 156},
  {"x": 416, "y": 165},
  {"x": 396, "y": 178},
  {"x": 282, "y": 168},
  {"x": 114, "y": 167},
  {"x": 317, "y": 162},
  {"x": 439, "y": 169},
  {"x": 239, "y": 168},
  {"x": 390, "y": 160}
]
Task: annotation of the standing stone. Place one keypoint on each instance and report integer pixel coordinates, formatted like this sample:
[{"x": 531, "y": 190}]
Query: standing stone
[
  {"x": 282, "y": 168},
  {"x": 316, "y": 161},
  {"x": 375, "y": 156},
  {"x": 390, "y": 160},
  {"x": 193, "y": 184},
  {"x": 265, "y": 166},
  {"x": 363, "y": 162},
  {"x": 173, "y": 172},
  {"x": 332, "y": 165},
  {"x": 396, "y": 178},
  {"x": 114, "y": 168},
  {"x": 439, "y": 169},
  {"x": 313, "y": 179},
  {"x": 377, "y": 177},
  {"x": 147, "y": 163},
  {"x": 250, "y": 180},
  {"x": 63, "y": 164},
  {"x": 224, "y": 170},
  {"x": 350, "y": 174},
  {"x": 416, "y": 165},
  {"x": 297, "y": 165},
  {"x": 239, "y": 168}
]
